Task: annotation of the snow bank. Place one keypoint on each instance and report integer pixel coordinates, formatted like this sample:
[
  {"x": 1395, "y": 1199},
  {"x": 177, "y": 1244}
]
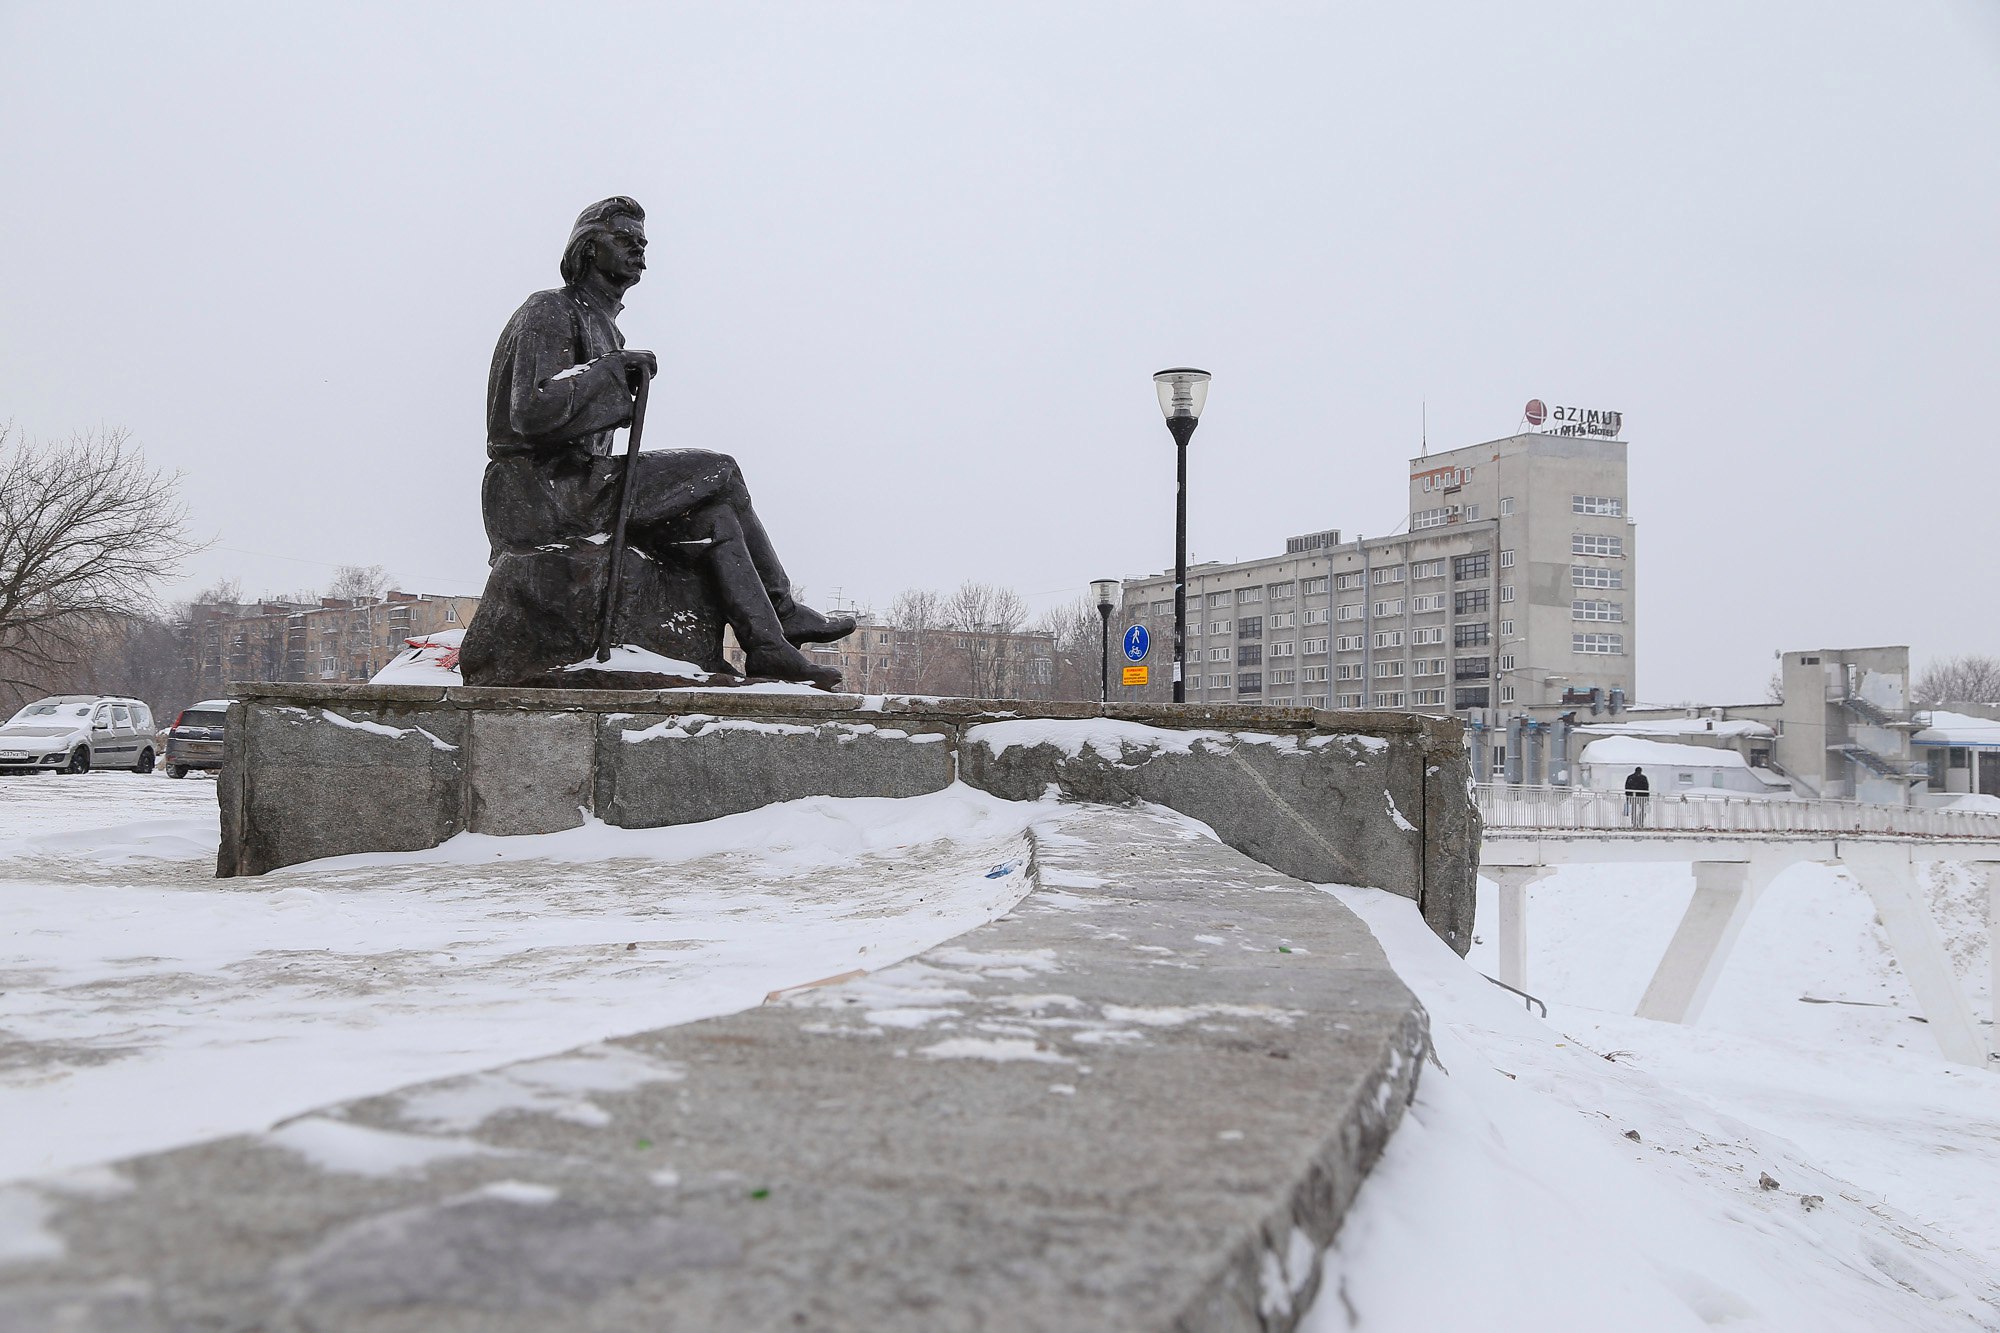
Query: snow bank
[
  {"x": 1539, "y": 1184},
  {"x": 430, "y": 659}
]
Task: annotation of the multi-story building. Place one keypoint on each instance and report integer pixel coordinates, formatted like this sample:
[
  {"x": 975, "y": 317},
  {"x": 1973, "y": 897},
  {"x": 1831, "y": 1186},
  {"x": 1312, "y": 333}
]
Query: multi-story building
[
  {"x": 1511, "y": 586},
  {"x": 336, "y": 639},
  {"x": 878, "y": 658}
]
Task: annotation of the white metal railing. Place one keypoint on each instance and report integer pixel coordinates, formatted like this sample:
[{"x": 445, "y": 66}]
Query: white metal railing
[{"x": 1562, "y": 809}]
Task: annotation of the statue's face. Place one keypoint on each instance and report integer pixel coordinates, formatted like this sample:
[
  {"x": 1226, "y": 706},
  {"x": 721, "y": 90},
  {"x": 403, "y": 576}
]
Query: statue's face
[{"x": 621, "y": 256}]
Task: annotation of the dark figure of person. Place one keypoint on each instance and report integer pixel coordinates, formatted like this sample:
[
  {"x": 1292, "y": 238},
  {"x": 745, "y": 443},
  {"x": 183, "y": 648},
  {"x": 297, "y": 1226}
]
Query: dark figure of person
[
  {"x": 559, "y": 387},
  {"x": 1638, "y": 790}
]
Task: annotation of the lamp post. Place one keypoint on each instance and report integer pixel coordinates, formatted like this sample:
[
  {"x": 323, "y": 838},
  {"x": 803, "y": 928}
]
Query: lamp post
[
  {"x": 1182, "y": 394},
  {"x": 1106, "y": 592}
]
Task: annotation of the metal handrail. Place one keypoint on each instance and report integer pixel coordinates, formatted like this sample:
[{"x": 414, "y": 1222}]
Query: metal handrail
[{"x": 1506, "y": 807}]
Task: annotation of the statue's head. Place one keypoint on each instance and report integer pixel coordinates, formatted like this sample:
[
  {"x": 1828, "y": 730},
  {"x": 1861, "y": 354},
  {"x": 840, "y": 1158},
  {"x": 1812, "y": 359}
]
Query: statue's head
[{"x": 610, "y": 238}]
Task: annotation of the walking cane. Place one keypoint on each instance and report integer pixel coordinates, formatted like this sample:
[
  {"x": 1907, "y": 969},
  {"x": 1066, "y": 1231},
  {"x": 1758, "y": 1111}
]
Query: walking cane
[{"x": 640, "y": 381}]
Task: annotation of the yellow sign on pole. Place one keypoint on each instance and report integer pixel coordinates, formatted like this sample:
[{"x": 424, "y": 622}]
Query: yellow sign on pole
[{"x": 1135, "y": 675}]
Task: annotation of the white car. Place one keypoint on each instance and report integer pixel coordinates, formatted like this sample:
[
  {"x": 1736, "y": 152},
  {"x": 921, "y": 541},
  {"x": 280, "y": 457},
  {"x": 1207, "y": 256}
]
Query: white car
[{"x": 74, "y": 733}]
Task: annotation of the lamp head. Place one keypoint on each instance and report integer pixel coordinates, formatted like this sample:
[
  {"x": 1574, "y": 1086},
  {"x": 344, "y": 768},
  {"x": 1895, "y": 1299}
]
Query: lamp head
[
  {"x": 1183, "y": 392},
  {"x": 1106, "y": 592}
]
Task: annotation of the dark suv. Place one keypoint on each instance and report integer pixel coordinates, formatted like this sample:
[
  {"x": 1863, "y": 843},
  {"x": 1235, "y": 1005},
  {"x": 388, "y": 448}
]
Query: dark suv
[{"x": 195, "y": 739}]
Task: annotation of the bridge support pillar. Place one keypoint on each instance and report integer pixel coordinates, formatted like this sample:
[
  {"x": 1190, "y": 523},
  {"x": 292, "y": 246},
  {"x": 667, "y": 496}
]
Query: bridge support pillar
[
  {"x": 1888, "y": 875},
  {"x": 1514, "y": 883},
  {"x": 1725, "y": 892}
]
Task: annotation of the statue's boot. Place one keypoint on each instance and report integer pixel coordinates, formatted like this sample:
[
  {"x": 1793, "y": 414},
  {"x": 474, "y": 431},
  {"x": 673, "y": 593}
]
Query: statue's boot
[
  {"x": 800, "y": 622},
  {"x": 766, "y": 650}
]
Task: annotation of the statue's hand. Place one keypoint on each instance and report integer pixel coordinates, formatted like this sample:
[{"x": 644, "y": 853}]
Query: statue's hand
[{"x": 634, "y": 362}]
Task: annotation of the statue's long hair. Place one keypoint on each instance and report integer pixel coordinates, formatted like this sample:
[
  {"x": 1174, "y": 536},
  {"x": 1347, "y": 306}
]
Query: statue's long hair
[{"x": 592, "y": 223}]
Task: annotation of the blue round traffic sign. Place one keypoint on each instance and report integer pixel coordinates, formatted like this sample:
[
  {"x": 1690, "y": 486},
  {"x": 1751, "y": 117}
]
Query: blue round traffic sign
[{"x": 1136, "y": 643}]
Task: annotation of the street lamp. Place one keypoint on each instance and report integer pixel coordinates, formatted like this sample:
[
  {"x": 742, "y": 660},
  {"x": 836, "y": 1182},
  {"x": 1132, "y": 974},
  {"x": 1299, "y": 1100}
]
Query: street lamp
[
  {"x": 1182, "y": 394},
  {"x": 1106, "y": 592}
]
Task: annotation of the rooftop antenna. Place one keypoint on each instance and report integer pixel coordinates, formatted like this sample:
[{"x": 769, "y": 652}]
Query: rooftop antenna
[{"x": 1423, "y": 428}]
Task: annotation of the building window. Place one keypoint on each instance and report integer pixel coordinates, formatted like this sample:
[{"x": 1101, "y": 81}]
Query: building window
[
  {"x": 1506, "y": 629},
  {"x": 1311, "y": 674},
  {"x": 1433, "y": 601},
  {"x": 1506, "y": 560},
  {"x": 1250, "y": 627},
  {"x": 1469, "y": 566},
  {"x": 1393, "y": 607},
  {"x": 1347, "y": 671},
  {"x": 1389, "y": 574},
  {"x": 1162, "y": 608},
  {"x": 1281, "y": 592},
  {"x": 1314, "y": 647},
  {"x": 1219, "y": 626},
  {"x": 1388, "y": 670},
  {"x": 1596, "y": 543},
  {"x": 1219, "y": 599},
  {"x": 1245, "y": 596},
  {"x": 1589, "y": 610},
  {"x": 1506, "y": 505},
  {"x": 1604, "y": 645},
  {"x": 1347, "y": 582},
  {"x": 1250, "y": 682},
  {"x": 1596, "y": 576},
  {"x": 1250, "y": 654},
  {"x": 1432, "y": 518},
  {"x": 1603, "y": 506},
  {"x": 1218, "y": 654},
  {"x": 1472, "y": 668},
  {"x": 1352, "y": 611},
  {"x": 1389, "y": 638},
  {"x": 1427, "y": 569},
  {"x": 1284, "y": 677},
  {"x": 1347, "y": 643},
  {"x": 1506, "y": 592},
  {"x": 1394, "y": 699},
  {"x": 1316, "y": 616},
  {"x": 1285, "y": 620},
  {"x": 1506, "y": 661},
  {"x": 1506, "y": 694},
  {"x": 1472, "y": 513},
  {"x": 1472, "y": 602},
  {"x": 1469, "y": 698},
  {"x": 451, "y": 612},
  {"x": 1347, "y": 701},
  {"x": 1285, "y": 649},
  {"x": 1426, "y": 698},
  {"x": 1313, "y": 587},
  {"x": 1430, "y": 634}
]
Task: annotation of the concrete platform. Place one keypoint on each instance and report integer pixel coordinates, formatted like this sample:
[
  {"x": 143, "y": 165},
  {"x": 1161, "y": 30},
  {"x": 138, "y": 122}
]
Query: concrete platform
[
  {"x": 1373, "y": 799},
  {"x": 1142, "y": 1100}
]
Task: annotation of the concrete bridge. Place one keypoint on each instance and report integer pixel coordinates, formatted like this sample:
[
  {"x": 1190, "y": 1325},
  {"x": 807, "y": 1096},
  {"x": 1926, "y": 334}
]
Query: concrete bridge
[{"x": 1737, "y": 846}]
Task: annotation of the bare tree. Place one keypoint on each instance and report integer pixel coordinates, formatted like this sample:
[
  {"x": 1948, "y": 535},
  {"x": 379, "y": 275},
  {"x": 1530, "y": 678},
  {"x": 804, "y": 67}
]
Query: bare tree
[
  {"x": 982, "y": 614},
  {"x": 1079, "y": 646},
  {"x": 358, "y": 583},
  {"x": 86, "y": 530},
  {"x": 1774, "y": 688},
  {"x": 924, "y": 657},
  {"x": 1971, "y": 679}
]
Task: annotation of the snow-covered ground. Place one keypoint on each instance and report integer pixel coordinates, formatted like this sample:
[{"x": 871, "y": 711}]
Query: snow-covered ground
[
  {"x": 144, "y": 1003},
  {"x": 1782, "y": 1165}
]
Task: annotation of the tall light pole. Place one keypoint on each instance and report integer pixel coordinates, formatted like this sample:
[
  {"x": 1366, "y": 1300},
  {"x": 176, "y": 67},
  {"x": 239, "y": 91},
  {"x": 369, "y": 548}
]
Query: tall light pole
[
  {"x": 1182, "y": 393},
  {"x": 1106, "y": 592}
]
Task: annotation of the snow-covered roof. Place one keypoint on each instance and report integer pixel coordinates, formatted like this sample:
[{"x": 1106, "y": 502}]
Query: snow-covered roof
[
  {"x": 1679, "y": 726},
  {"x": 1633, "y": 750},
  {"x": 1958, "y": 729}
]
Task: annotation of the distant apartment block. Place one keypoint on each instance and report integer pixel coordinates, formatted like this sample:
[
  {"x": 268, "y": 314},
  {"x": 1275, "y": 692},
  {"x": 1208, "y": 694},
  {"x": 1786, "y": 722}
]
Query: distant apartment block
[
  {"x": 1513, "y": 585},
  {"x": 335, "y": 639},
  {"x": 879, "y": 658}
]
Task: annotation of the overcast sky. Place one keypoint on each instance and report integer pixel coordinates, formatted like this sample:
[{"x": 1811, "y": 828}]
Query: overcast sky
[{"x": 915, "y": 264}]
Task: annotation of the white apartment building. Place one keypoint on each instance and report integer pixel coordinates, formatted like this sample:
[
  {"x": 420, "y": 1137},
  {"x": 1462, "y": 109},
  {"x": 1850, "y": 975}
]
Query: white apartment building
[{"x": 1512, "y": 586}]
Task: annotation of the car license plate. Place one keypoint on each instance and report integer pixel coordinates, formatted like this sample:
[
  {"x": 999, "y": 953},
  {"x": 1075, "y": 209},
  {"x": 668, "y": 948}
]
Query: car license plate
[{"x": 13, "y": 754}]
